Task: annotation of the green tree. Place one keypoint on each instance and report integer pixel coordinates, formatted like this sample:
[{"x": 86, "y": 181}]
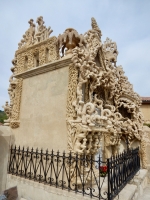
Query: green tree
[{"x": 2, "y": 116}]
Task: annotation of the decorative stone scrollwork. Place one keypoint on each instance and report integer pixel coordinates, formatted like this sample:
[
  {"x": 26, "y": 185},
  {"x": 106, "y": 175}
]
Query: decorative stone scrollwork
[
  {"x": 14, "y": 123},
  {"x": 110, "y": 51},
  {"x": 35, "y": 49},
  {"x": 93, "y": 38},
  {"x": 12, "y": 111},
  {"x": 70, "y": 39},
  {"x": 37, "y": 55},
  {"x": 104, "y": 104},
  {"x": 33, "y": 36},
  {"x": 101, "y": 101},
  {"x": 73, "y": 76}
]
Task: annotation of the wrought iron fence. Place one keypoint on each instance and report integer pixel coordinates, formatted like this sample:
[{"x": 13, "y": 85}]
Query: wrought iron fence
[
  {"x": 121, "y": 169},
  {"x": 73, "y": 172}
]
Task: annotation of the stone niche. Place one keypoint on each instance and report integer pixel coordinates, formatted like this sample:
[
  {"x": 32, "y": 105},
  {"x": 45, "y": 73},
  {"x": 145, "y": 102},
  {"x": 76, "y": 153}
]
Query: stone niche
[{"x": 67, "y": 93}]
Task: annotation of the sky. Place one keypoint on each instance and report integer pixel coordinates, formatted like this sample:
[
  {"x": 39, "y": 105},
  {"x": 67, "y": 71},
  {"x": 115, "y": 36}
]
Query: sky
[{"x": 127, "y": 22}]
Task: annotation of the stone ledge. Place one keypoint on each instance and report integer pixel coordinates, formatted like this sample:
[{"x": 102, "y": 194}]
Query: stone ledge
[
  {"x": 132, "y": 191},
  {"x": 45, "y": 68},
  {"x": 5, "y": 131},
  {"x": 127, "y": 193}
]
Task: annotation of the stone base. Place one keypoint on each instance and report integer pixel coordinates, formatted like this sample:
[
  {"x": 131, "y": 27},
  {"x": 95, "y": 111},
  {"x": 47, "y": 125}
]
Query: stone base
[
  {"x": 31, "y": 190},
  {"x": 5, "y": 140},
  {"x": 134, "y": 190}
]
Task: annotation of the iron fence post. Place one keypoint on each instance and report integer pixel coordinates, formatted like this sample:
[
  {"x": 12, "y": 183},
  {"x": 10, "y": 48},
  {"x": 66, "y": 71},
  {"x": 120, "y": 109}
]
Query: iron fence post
[{"x": 108, "y": 169}]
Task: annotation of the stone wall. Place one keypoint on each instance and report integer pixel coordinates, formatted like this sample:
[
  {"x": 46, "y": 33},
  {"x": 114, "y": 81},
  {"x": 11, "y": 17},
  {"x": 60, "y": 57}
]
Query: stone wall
[
  {"x": 145, "y": 108},
  {"x": 43, "y": 110},
  {"x": 5, "y": 140}
]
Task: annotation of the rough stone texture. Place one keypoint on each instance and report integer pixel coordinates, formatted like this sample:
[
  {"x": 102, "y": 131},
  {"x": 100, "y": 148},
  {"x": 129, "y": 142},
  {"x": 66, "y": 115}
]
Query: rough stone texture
[
  {"x": 28, "y": 189},
  {"x": 135, "y": 190},
  {"x": 127, "y": 193},
  {"x": 147, "y": 131},
  {"x": 43, "y": 111},
  {"x": 5, "y": 140},
  {"x": 145, "y": 108},
  {"x": 146, "y": 193},
  {"x": 31, "y": 190}
]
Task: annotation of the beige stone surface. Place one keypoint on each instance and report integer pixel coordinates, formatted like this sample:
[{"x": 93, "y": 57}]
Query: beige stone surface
[
  {"x": 147, "y": 131},
  {"x": 31, "y": 190},
  {"x": 5, "y": 140},
  {"x": 43, "y": 111},
  {"x": 145, "y": 108}
]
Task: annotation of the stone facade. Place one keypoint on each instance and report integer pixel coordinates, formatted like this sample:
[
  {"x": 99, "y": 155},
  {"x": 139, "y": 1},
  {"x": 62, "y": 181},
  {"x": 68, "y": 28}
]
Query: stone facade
[
  {"x": 145, "y": 109},
  {"x": 77, "y": 99}
]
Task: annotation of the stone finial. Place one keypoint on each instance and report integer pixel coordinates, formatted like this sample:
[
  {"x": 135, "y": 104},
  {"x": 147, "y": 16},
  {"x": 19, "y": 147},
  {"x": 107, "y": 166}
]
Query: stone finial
[
  {"x": 95, "y": 27},
  {"x": 110, "y": 50},
  {"x": 70, "y": 39},
  {"x": 28, "y": 36},
  {"x": 42, "y": 33},
  {"x": 31, "y": 36}
]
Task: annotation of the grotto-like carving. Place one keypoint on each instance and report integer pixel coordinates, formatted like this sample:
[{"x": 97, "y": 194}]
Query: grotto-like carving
[{"x": 105, "y": 104}]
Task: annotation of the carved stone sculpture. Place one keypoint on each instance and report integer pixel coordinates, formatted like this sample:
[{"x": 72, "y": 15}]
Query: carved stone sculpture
[
  {"x": 70, "y": 39},
  {"x": 101, "y": 102},
  {"x": 42, "y": 32},
  {"x": 33, "y": 35},
  {"x": 104, "y": 104}
]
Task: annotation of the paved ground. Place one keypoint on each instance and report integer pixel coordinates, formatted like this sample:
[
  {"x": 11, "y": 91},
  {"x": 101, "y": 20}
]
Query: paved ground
[{"x": 146, "y": 193}]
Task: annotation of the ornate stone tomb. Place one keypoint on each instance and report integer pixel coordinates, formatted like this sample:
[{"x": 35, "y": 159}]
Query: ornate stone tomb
[{"x": 78, "y": 99}]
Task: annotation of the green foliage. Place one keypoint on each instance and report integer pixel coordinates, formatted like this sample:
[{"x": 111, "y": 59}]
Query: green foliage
[
  {"x": 147, "y": 125},
  {"x": 2, "y": 116}
]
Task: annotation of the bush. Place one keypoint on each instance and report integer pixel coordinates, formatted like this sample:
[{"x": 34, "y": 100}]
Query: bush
[
  {"x": 147, "y": 125},
  {"x": 2, "y": 116}
]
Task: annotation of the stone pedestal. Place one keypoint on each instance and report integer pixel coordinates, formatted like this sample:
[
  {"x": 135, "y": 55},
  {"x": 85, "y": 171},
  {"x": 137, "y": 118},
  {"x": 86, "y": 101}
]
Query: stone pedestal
[{"x": 5, "y": 140}]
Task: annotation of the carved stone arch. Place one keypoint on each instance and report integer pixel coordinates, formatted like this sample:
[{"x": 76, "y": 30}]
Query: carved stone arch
[{"x": 124, "y": 112}]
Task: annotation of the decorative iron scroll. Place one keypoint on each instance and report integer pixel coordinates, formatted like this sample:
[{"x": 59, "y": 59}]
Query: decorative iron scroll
[{"x": 73, "y": 172}]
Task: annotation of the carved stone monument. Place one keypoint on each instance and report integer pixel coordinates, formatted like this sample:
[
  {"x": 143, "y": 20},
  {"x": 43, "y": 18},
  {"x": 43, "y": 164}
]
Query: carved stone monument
[{"x": 68, "y": 93}]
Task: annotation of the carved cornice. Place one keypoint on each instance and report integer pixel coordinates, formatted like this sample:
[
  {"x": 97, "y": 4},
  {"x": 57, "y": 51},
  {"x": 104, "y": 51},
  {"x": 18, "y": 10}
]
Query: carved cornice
[{"x": 45, "y": 68}]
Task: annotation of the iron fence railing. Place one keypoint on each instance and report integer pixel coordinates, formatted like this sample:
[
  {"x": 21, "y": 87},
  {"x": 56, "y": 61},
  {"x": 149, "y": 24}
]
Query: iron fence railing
[
  {"x": 73, "y": 172},
  {"x": 121, "y": 169}
]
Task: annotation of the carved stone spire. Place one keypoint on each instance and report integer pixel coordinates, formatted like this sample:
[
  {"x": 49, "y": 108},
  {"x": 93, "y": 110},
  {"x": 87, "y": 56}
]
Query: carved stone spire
[{"x": 95, "y": 26}]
